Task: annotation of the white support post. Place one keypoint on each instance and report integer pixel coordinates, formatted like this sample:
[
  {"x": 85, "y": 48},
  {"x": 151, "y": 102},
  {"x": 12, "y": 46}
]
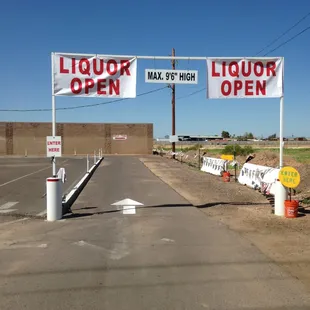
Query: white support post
[
  {"x": 281, "y": 192},
  {"x": 87, "y": 164},
  {"x": 53, "y": 112},
  {"x": 94, "y": 157},
  {"x": 74, "y": 152},
  {"x": 53, "y": 199}
]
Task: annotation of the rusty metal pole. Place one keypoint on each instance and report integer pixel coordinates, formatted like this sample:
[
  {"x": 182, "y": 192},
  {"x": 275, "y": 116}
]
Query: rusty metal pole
[{"x": 173, "y": 103}]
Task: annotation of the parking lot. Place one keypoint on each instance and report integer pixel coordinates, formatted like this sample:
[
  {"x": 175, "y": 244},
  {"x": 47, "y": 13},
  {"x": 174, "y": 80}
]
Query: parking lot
[{"x": 23, "y": 182}]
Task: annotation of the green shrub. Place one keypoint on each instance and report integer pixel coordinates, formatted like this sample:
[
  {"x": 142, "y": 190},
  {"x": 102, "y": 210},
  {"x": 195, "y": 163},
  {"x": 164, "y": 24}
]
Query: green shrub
[
  {"x": 229, "y": 150},
  {"x": 247, "y": 150}
]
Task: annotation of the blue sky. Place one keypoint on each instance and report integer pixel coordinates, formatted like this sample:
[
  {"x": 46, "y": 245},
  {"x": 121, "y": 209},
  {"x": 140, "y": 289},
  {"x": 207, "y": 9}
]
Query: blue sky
[{"x": 31, "y": 30}]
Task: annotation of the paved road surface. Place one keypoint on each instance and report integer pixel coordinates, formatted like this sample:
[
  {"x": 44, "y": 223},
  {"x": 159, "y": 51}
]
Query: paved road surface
[
  {"x": 22, "y": 182},
  {"x": 168, "y": 255}
]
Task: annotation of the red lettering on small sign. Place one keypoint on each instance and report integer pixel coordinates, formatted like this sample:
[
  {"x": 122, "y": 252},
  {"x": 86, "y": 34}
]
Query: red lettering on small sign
[
  {"x": 53, "y": 142},
  {"x": 54, "y": 149}
]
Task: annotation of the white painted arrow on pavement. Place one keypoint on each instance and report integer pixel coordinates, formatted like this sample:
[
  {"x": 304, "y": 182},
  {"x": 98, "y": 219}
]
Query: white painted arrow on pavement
[{"x": 129, "y": 205}]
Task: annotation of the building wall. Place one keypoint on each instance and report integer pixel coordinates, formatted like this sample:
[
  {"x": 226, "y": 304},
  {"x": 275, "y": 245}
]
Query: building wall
[{"x": 79, "y": 138}]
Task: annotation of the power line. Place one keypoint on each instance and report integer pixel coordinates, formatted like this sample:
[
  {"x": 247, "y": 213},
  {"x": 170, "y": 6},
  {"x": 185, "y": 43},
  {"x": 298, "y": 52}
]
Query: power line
[
  {"x": 191, "y": 94},
  {"x": 82, "y": 106},
  {"x": 283, "y": 34},
  {"x": 289, "y": 40},
  {"x": 282, "y": 44}
]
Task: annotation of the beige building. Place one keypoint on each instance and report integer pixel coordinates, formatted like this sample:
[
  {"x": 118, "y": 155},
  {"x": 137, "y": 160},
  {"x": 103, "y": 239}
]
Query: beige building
[{"x": 77, "y": 138}]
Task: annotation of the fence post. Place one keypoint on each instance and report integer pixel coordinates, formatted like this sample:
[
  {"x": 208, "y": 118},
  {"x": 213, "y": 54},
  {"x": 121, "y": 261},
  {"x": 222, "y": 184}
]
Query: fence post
[
  {"x": 94, "y": 157},
  {"x": 199, "y": 158},
  {"x": 87, "y": 164}
]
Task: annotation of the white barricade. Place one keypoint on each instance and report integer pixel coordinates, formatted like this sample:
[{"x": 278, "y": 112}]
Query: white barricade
[
  {"x": 61, "y": 174},
  {"x": 259, "y": 177},
  {"x": 214, "y": 166}
]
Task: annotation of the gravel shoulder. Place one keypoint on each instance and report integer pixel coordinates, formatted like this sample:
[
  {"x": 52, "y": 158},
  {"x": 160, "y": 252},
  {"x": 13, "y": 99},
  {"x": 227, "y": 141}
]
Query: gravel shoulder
[{"x": 286, "y": 241}]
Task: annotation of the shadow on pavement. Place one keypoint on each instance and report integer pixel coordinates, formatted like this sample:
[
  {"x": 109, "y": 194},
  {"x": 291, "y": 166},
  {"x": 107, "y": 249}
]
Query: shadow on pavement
[
  {"x": 213, "y": 204},
  {"x": 75, "y": 214}
]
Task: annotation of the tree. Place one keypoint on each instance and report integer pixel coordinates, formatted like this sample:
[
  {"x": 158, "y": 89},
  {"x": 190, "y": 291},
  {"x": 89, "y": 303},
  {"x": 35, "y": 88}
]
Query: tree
[
  {"x": 225, "y": 134},
  {"x": 271, "y": 137},
  {"x": 248, "y": 135}
]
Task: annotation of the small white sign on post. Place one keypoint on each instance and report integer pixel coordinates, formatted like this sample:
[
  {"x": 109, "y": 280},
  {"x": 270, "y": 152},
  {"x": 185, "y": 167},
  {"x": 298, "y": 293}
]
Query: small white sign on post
[
  {"x": 53, "y": 146},
  {"x": 119, "y": 137},
  {"x": 171, "y": 76},
  {"x": 174, "y": 138}
]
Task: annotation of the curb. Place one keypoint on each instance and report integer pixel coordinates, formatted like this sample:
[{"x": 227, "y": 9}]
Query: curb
[{"x": 69, "y": 199}]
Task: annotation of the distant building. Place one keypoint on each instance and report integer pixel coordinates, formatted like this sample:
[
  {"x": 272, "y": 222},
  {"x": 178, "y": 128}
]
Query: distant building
[{"x": 199, "y": 138}]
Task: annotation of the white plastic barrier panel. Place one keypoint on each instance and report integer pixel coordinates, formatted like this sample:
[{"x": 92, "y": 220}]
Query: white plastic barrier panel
[
  {"x": 61, "y": 174},
  {"x": 214, "y": 166},
  {"x": 259, "y": 177}
]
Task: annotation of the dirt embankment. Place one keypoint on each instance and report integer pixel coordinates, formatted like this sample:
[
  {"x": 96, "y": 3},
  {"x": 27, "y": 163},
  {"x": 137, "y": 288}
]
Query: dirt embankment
[
  {"x": 286, "y": 241},
  {"x": 264, "y": 158}
]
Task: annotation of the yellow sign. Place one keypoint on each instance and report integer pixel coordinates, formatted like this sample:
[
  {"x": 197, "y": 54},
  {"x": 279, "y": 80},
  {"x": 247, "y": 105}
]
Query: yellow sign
[
  {"x": 227, "y": 157},
  {"x": 289, "y": 177}
]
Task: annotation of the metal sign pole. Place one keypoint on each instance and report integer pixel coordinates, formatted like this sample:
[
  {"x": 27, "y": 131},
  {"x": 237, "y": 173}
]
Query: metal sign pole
[{"x": 53, "y": 113}]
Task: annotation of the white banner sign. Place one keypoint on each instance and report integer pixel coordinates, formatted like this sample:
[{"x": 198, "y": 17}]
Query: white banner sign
[
  {"x": 94, "y": 76},
  {"x": 214, "y": 166},
  {"x": 171, "y": 76},
  {"x": 245, "y": 78},
  {"x": 53, "y": 146}
]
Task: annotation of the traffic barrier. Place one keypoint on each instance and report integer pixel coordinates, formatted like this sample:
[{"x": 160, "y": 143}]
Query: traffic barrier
[
  {"x": 214, "y": 166},
  {"x": 259, "y": 177}
]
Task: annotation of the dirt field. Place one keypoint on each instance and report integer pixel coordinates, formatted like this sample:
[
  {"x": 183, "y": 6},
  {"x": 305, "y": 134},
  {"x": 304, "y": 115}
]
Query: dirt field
[{"x": 286, "y": 241}]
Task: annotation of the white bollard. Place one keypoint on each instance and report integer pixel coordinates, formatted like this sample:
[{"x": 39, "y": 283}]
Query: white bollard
[
  {"x": 53, "y": 199},
  {"x": 279, "y": 197},
  {"x": 74, "y": 152},
  {"x": 94, "y": 157},
  {"x": 87, "y": 164}
]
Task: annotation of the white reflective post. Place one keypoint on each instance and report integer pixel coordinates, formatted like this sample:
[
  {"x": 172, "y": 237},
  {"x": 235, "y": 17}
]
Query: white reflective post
[
  {"x": 281, "y": 192},
  {"x": 53, "y": 199}
]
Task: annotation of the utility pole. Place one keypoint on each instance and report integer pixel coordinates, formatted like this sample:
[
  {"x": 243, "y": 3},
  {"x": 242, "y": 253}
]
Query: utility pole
[{"x": 173, "y": 103}]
